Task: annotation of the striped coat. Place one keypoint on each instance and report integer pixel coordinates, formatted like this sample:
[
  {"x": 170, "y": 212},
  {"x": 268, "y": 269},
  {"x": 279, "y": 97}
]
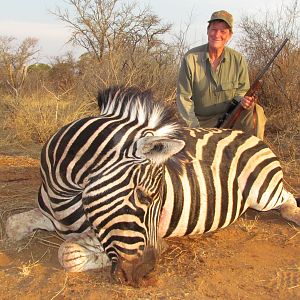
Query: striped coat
[{"x": 224, "y": 173}]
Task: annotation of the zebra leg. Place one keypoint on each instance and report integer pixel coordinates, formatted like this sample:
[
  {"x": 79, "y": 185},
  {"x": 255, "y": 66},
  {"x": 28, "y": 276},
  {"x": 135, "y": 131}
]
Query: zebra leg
[
  {"x": 290, "y": 211},
  {"x": 82, "y": 253},
  {"x": 20, "y": 225}
]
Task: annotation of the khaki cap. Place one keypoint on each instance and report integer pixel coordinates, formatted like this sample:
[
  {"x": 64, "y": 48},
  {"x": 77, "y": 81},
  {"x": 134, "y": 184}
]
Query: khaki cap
[{"x": 222, "y": 15}]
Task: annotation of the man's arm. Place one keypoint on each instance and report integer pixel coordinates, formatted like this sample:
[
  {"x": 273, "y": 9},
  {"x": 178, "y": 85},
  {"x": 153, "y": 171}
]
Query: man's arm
[
  {"x": 243, "y": 80},
  {"x": 184, "y": 100}
]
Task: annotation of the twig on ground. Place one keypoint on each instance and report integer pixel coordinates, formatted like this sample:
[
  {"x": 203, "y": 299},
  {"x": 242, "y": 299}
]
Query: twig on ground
[{"x": 62, "y": 289}]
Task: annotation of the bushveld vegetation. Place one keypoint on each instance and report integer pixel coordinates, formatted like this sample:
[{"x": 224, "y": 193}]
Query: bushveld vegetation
[{"x": 127, "y": 45}]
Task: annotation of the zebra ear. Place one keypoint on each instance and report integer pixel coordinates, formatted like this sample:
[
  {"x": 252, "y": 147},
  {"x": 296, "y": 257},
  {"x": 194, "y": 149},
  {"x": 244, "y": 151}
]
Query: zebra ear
[{"x": 158, "y": 149}]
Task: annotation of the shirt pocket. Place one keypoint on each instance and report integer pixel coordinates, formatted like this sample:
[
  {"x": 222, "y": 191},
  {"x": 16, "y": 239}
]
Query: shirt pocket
[
  {"x": 226, "y": 91},
  {"x": 230, "y": 85}
]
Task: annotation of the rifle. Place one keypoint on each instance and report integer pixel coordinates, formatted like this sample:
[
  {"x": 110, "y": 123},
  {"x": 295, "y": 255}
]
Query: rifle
[{"x": 228, "y": 119}]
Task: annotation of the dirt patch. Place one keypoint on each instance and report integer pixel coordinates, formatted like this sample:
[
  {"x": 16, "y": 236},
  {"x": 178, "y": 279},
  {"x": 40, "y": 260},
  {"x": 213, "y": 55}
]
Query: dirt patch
[{"x": 258, "y": 257}]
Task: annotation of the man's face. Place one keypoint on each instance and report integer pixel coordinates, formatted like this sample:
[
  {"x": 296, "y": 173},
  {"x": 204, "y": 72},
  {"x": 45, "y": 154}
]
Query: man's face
[{"x": 218, "y": 34}]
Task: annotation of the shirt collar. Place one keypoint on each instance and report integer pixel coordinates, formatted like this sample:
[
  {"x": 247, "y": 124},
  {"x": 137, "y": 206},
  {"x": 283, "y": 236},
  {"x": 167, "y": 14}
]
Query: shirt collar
[{"x": 225, "y": 54}]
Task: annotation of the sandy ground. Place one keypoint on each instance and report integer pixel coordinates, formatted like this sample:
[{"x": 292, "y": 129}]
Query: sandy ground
[{"x": 258, "y": 257}]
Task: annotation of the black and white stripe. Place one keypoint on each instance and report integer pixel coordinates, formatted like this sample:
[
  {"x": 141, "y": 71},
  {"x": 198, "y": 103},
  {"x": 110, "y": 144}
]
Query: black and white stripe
[
  {"x": 126, "y": 175},
  {"x": 226, "y": 172},
  {"x": 94, "y": 177}
]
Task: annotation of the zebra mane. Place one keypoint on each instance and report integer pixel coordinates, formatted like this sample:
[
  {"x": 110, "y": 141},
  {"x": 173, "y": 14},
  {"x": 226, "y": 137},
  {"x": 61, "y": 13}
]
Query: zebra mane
[
  {"x": 133, "y": 103},
  {"x": 140, "y": 105}
]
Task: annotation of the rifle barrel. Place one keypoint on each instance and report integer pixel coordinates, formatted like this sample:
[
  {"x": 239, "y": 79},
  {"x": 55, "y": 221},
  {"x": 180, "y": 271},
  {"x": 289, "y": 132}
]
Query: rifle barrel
[{"x": 262, "y": 72}]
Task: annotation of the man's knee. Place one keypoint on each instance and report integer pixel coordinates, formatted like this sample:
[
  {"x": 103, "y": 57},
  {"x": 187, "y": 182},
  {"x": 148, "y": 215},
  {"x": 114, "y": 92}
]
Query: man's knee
[
  {"x": 245, "y": 122},
  {"x": 252, "y": 121},
  {"x": 261, "y": 121}
]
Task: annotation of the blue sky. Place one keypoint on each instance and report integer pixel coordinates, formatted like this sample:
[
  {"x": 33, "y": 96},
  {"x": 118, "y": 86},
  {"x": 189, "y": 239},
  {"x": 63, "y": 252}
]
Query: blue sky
[{"x": 23, "y": 18}]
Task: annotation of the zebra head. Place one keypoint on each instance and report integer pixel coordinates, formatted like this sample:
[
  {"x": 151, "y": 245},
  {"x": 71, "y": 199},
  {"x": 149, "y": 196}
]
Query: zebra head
[{"x": 125, "y": 193}]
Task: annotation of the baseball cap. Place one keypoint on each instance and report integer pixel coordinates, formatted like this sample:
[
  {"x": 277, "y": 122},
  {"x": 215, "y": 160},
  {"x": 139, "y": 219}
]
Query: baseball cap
[{"x": 222, "y": 15}]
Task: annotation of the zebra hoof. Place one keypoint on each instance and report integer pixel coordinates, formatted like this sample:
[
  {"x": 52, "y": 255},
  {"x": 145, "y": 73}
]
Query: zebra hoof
[{"x": 76, "y": 258}]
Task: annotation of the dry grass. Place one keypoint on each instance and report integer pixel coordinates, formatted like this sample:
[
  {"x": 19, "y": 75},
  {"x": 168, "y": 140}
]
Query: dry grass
[
  {"x": 286, "y": 146},
  {"x": 26, "y": 269},
  {"x": 248, "y": 225},
  {"x": 35, "y": 119},
  {"x": 297, "y": 232},
  {"x": 63, "y": 287},
  {"x": 286, "y": 278}
]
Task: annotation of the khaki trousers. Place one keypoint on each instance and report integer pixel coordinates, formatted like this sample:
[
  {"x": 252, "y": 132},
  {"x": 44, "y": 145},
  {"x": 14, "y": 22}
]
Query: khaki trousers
[{"x": 245, "y": 121}]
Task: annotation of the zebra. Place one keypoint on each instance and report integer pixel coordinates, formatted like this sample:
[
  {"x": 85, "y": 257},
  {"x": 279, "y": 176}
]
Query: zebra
[{"x": 114, "y": 185}]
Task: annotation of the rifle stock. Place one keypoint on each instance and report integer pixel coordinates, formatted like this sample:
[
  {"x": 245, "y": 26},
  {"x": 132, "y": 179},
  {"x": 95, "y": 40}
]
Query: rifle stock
[{"x": 228, "y": 119}]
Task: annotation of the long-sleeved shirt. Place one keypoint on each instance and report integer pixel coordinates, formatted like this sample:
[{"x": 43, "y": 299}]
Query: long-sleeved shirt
[{"x": 204, "y": 95}]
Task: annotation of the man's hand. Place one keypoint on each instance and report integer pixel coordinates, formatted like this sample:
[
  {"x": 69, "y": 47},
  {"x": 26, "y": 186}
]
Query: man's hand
[{"x": 248, "y": 102}]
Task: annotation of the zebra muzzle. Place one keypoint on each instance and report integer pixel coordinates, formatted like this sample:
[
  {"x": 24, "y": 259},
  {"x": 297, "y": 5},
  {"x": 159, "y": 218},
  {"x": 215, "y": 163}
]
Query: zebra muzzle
[{"x": 133, "y": 272}]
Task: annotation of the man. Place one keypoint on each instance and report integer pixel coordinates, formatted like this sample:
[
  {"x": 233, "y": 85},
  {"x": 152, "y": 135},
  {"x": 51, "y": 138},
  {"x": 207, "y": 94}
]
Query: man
[{"x": 211, "y": 76}]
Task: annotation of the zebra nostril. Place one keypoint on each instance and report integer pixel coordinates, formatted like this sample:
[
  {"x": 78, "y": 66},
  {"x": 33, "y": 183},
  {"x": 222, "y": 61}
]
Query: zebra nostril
[
  {"x": 117, "y": 273},
  {"x": 132, "y": 272},
  {"x": 144, "y": 265}
]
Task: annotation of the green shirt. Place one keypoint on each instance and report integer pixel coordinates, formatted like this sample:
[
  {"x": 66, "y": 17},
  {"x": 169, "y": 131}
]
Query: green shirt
[{"x": 203, "y": 95}]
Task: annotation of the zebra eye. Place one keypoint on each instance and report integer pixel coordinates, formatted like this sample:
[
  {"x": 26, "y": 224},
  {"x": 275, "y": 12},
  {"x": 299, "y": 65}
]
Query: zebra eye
[{"x": 143, "y": 197}]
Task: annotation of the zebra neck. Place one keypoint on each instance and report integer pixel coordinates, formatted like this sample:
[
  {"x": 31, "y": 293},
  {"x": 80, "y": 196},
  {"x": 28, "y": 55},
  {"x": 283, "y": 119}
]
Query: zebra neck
[{"x": 177, "y": 205}]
